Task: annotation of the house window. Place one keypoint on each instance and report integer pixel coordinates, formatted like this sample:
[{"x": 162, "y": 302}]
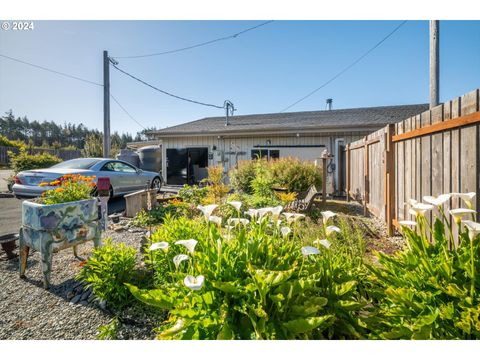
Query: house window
[{"x": 265, "y": 154}]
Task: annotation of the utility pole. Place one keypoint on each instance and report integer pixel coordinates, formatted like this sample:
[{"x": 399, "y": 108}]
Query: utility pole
[
  {"x": 106, "y": 105},
  {"x": 434, "y": 63}
]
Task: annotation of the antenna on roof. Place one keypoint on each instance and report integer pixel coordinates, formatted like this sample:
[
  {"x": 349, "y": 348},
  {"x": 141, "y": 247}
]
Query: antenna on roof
[
  {"x": 229, "y": 109},
  {"x": 329, "y": 104}
]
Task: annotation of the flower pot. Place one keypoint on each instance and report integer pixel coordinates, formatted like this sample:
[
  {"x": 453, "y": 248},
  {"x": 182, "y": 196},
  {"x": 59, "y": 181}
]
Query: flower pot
[{"x": 50, "y": 228}]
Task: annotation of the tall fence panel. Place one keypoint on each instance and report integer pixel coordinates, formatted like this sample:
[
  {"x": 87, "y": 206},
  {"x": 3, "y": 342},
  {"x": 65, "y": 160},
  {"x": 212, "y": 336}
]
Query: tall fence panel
[
  {"x": 435, "y": 152},
  {"x": 366, "y": 176}
]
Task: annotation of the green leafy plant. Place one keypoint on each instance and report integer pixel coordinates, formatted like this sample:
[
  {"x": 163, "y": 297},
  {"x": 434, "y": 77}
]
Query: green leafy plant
[
  {"x": 193, "y": 194},
  {"x": 154, "y": 216},
  {"x": 250, "y": 281},
  {"x": 108, "y": 331},
  {"x": 4, "y": 141},
  {"x": 430, "y": 291},
  {"x": 24, "y": 161},
  {"x": 107, "y": 271},
  {"x": 290, "y": 173}
]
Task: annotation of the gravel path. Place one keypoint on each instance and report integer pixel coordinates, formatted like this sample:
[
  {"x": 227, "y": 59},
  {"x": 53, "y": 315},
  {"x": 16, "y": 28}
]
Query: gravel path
[{"x": 30, "y": 312}]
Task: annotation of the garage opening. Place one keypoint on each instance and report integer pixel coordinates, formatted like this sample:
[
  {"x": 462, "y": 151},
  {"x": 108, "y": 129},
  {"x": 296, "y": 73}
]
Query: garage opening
[{"x": 187, "y": 165}]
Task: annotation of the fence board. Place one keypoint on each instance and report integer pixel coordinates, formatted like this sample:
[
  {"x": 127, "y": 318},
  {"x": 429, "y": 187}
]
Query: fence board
[{"x": 433, "y": 153}]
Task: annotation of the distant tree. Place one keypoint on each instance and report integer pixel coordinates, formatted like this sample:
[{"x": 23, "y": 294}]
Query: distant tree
[{"x": 93, "y": 145}]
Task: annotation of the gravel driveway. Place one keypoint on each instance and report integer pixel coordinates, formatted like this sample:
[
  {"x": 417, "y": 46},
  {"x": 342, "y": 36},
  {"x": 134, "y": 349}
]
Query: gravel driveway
[{"x": 30, "y": 312}]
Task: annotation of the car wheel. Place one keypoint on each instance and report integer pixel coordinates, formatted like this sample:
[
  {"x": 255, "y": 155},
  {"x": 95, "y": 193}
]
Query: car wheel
[{"x": 156, "y": 184}]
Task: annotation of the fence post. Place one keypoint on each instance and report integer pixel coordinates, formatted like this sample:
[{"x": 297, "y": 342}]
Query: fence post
[
  {"x": 390, "y": 179},
  {"x": 366, "y": 194},
  {"x": 347, "y": 173}
]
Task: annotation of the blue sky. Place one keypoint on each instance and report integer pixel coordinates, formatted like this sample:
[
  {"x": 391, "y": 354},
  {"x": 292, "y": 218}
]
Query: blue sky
[{"x": 261, "y": 71}]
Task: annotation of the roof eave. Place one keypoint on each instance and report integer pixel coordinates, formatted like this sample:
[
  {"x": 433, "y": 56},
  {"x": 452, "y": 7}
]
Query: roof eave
[{"x": 276, "y": 131}]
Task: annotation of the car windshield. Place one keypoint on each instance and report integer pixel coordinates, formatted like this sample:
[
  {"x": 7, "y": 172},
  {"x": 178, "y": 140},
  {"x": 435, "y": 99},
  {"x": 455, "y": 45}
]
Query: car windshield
[{"x": 76, "y": 164}]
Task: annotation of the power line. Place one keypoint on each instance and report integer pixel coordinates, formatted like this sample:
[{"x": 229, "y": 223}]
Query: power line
[
  {"x": 126, "y": 112},
  {"x": 197, "y": 45},
  {"x": 51, "y": 70},
  {"x": 163, "y": 91},
  {"x": 346, "y": 68}
]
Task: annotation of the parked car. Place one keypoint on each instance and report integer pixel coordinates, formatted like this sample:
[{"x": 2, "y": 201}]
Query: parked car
[{"x": 124, "y": 177}]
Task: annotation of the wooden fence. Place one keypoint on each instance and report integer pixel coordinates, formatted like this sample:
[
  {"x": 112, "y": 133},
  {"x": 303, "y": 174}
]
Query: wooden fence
[
  {"x": 62, "y": 154},
  {"x": 432, "y": 153}
]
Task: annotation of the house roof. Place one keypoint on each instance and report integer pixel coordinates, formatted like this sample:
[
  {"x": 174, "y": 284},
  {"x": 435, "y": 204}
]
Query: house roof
[{"x": 343, "y": 119}]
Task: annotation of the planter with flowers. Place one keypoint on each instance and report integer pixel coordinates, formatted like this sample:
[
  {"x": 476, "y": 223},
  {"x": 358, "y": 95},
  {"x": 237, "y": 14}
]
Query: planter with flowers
[{"x": 65, "y": 216}]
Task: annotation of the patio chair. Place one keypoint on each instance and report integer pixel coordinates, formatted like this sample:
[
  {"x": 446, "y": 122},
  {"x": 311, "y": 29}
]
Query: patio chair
[{"x": 305, "y": 203}]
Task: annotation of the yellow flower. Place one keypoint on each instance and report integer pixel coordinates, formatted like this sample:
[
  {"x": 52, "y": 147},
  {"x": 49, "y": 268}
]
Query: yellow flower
[{"x": 43, "y": 184}]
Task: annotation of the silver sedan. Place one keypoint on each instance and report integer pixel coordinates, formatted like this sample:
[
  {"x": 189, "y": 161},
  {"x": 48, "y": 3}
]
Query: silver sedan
[{"x": 124, "y": 177}]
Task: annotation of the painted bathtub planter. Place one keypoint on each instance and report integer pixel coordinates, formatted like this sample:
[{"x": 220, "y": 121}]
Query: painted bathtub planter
[{"x": 50, "y": 228}]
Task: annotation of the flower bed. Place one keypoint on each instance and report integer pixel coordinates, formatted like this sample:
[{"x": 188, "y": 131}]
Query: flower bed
[{"x": 228, "y": 271}]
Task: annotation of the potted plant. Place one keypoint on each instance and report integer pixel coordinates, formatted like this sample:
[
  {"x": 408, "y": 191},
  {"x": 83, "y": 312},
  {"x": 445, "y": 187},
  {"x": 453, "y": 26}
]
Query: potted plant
[{"x": 64, "y": 216}]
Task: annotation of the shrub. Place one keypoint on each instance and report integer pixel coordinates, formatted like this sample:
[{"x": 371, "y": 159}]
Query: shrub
[
  {"x": 193, "y": 194},
  {"x": 216, "y": 189},
  {"x": 250, "y": 282},
  {"x": 242, "y": 177},
  {"x": 24, "y": 161},
  {"x": 4, "y": 141},
  {"x": 153, "y": 217},
  {"x": 290, "y": 173},
  {"x": 429, "y": 291},
  {"x": 295, "y": 175},
  {"x": 106, "y": 272}
]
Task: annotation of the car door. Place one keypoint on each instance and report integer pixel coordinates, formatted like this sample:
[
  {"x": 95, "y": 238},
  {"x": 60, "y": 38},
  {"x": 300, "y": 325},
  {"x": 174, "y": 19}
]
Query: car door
[
  {"x": 108, "y": 170},
  {"x": 129, "y": 178}
]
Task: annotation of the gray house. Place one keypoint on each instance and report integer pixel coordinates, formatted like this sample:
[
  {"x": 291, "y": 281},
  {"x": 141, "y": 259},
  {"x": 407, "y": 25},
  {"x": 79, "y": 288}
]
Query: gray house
[{"x": 304, "y": 135}]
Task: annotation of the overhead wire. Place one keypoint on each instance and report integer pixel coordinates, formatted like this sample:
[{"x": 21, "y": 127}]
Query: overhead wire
[
  {"x": 347, "y": 67},
  {"x": 196, "y": 45},
  {"x": 165, "y": 92},
  {"x": 126, "y": 112},
  {"x": 51, "y": 70}
]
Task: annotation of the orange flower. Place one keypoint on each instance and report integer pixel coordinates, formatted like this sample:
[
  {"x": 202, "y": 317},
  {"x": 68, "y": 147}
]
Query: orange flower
[
  {"x": 94, "y": 177},
  {"x": 43, "y": 184},
  {"x": 54, "y": 183},
  {"x": 66, "y": 183},
  {"x": 59, "y": 190}
]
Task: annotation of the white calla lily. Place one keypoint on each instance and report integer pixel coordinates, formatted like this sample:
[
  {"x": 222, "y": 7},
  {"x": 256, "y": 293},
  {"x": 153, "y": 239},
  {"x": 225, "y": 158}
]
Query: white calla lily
[
  {"x": 310, "y": 250},
  {"x": 215, "y": 219},
  {"x": 324, "y": 242},
  {"x": 207, "y": 210},
  {"x": 194, "y": 283},
  {"x": 263, "y": 212},
  {"x": 458, "y": 214},
  {"x": 412, "y": 202},
  {"x": 163, "y": 245},
  {"x": 177, "y": 259},
  {"x": 327, "y": 215},
  {"x": 332, "y": 228},
  {"x": 437, "y": 201},
  {"x": 236, "y": 221},
  {"x": 407, "y": 223},
  {"x": 276, "y": 211},
  {"x": 420, "y": 209},
  {"x": 467, "y": 198},
  {"x": 189, "y": 244},
  {"x": 236, "y": 204},
  {"x": 253, "y": 213},
  {"x": 285, "y": 231},
  {"x": 293, "y": 217},
  {"x": 473, "y": 228}
]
